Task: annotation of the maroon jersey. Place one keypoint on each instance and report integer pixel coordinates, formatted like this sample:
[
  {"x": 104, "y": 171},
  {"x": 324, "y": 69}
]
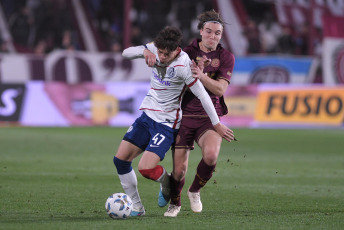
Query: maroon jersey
[{"x": 221, "y": 67}]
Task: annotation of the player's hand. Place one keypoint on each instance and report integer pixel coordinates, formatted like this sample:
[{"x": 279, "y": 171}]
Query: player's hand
[
  {"x": 149, "y": 57},
  {"x": 196, "y": 71},
  {"x": 224, "y": 132},
  {"x": 203, "y": 62}
]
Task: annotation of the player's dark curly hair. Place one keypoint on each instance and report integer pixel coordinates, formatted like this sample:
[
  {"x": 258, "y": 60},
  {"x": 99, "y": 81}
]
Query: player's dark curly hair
[
  {"x": 207, "y": 16},
  {"x": 169, "y": 38}
]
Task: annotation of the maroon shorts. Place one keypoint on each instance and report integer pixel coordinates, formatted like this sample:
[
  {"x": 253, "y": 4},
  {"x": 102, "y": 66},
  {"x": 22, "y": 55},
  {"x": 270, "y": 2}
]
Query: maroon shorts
[{"x": 191, "y": 129}]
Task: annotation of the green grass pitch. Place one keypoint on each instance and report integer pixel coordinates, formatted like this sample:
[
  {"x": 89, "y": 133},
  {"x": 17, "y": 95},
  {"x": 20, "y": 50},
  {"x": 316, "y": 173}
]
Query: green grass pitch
[{"x": 59, "y": 178}]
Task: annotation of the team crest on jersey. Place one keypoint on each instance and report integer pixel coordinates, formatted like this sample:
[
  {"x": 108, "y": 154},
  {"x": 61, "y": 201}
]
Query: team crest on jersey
[
  {"x": 171, "y": 72},
  {"x": 215, "y": 62}
]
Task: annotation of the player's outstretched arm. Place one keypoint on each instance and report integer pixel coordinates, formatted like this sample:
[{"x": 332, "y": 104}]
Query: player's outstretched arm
[
  {"x": 134, "y": 52},
  {"x": 140, "y": 52},
  {"x": 198, "y": 90}
]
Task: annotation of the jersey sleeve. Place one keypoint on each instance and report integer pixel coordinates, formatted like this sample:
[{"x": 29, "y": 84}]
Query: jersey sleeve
[
  {"x": 151, "y": 47},
  {"x": 133, "y": 52},
  {"x": 137, "y": 51},
  {"x": 199, "y": 91},
  {"x": 185, "y": 71},
  {"x": 227, "y": 65}
]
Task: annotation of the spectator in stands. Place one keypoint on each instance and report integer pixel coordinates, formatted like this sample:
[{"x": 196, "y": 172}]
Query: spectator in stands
[
  {"x": 185, "y": 13},
  {"x": 253, "y": 37},
  {"x": 114, "y": 34},
  {"x": 20, "y": 25},
  {"x": 136, "y": 35},
  {"x": 301, "y": 40},
  {"x": 43, "y": 14},
  {"x": 139, "y": 16},
  {"x": 69, "y": 42},
  {"x": 109, "y": 20},
  {"x": 116, "y": 46},
  {"x": 269, "y": 31},
  {"x": 10, "y": 7},
  {"x": 286, "y": 43},
  {"x": 41, "y": 48},
  {"x": 155, "y": 17},
  {"x": 62, "y": 22}
]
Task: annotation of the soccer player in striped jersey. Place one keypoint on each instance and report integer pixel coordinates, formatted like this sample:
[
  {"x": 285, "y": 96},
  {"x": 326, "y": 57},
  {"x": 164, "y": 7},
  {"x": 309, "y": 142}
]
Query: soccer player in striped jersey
[
  {"x": 155, "y": 130},
  {"x": 215, "y": 73}
]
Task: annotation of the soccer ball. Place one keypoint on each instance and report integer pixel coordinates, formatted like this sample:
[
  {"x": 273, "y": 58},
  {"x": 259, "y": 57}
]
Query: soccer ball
[{"x": 118, "y": 206}]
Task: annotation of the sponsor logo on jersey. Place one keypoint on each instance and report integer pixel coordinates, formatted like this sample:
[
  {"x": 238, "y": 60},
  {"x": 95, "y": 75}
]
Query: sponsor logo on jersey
[{"x": 160, "y": 80}]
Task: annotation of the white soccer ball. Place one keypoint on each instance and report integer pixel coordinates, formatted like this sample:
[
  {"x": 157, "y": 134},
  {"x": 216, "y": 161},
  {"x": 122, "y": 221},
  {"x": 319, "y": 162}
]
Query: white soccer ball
[{"x": 118, "y": 206}]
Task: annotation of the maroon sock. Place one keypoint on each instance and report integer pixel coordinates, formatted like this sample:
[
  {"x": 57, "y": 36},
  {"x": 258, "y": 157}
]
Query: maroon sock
[
  {"x": 204, "y": 173},
  {"x": 176, "y": 189}
]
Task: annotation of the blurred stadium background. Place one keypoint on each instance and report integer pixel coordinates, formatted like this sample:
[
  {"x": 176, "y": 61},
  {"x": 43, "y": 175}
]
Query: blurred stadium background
[
  {"x": 61, "y": 66},
  {"x": 61, "y": 63}
]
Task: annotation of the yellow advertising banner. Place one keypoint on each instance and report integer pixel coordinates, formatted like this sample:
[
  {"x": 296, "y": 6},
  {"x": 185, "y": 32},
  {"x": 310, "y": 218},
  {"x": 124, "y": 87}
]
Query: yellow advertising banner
[{"x": 306, "y": 105}]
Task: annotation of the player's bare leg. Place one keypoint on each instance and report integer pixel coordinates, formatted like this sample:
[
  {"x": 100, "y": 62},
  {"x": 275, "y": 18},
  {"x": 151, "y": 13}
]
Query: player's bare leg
[{"x": 210, "y": 143}]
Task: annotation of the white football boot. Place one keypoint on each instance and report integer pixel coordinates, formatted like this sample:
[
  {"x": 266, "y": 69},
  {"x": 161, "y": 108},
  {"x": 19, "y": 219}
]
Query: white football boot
[
  {"x": 172, "y": 210},
  {"x": 195, "y": 201}
]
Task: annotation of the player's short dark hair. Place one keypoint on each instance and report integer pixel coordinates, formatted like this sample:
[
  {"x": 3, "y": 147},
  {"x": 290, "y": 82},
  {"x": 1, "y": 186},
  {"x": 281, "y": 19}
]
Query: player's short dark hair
[
  {"x": 169, "y": 38},
  {"x": 209, "y": 16}
]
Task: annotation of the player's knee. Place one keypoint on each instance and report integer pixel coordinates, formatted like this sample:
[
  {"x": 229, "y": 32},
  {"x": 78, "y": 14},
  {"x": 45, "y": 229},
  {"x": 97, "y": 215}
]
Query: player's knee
[
  {"x": 179, "y": 173},
  {"x": 123, "y": 167},
  {"x": 210, "y": 159},
  {"x": 210, "y": 156}
]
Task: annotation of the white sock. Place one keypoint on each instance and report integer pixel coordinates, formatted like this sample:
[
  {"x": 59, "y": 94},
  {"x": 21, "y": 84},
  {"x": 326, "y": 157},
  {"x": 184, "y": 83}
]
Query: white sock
[{"x": 129, "y": 184}]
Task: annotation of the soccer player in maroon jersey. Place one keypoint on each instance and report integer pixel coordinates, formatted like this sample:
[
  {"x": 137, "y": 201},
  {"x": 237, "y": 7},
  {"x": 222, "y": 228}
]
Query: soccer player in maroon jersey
[{"x": 217, "y": 64}]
